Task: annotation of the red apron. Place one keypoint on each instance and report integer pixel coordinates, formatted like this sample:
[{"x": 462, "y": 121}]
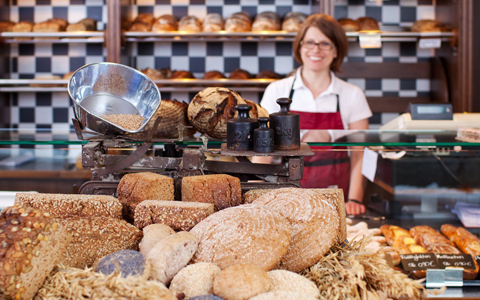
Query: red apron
[{"x": 328, "y": 167}]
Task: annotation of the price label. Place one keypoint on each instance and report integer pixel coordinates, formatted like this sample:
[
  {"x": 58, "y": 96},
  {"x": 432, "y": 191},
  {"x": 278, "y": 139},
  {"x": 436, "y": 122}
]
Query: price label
[
  {"x": 370, "y": 40},
  {"x": 429, "y": 43},
  {"x": 419, "y": 261},
  {"x": 456, "y": 260}
]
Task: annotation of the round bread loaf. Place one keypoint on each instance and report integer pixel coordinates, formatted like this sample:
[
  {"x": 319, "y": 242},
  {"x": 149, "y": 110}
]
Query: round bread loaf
[
  {"x": 349, "y": 25},
  {"x": 269, "y": 74},
  {"x": 367, "y": 23},
  {"x": 6, "y": 26},
  {"x": 145, "y": 18},
  {"x": 154, "y": 74},
  {"x": 284, "y": 280},
  {"x": 195, "y": 280},
  {"x": 284, "y": 295},
  {"x": 62, "y": 23},
  {"x": 151, "y": 235},
  {"x": 427, "y": 26},
  {"x": 210, "y": 109},
  {"x": 293, "y": 21},
  {"x": 90, "y": 23},
  {"x": 182, "y": 74},
  {"x": 165, "y": 23},
  {"x": 240, "y": 74},
  {"x": 190, "y": 23},
  {"x": 140, "y": 27},
  {"x": 314, "y": 222},
  {"x": 241, "y": 282},
  {"x": 212, "y": 22},
  {"x": 266, "y": 21},
  {"x": 173, "y": 113},
  {"x": 243, "y": 235},
  {"x": 213, "y": 75},
  {"x": 257, "y": 111},
  {"x": 238, "y": 22}
]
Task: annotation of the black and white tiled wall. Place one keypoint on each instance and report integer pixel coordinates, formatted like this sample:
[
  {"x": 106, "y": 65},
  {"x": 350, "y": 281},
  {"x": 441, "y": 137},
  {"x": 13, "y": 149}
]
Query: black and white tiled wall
[{"x": 52, "y": 110}]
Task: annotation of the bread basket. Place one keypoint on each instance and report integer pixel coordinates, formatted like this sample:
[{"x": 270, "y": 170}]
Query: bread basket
[{"x": 102, "y": 89}]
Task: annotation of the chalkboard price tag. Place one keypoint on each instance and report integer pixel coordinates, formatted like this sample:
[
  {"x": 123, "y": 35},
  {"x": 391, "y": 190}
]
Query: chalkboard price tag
[
  {"x": 419, "y": 261},
  {"x": 456, "y": 260}
]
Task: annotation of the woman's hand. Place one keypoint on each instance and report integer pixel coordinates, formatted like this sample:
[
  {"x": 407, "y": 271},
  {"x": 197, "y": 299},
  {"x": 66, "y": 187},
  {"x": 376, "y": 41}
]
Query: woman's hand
[{"x": 354, "y": 208}]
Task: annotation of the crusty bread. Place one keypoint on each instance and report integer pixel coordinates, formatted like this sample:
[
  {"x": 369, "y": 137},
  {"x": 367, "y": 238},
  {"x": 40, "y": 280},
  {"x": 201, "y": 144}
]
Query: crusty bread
[
  {"x": 210, "y": 109},
  {"x": 135, "y": 187},
  {"x": 171, "y": 254},
  {"x": 72, "y": 205},
  {"x": 195, "y": 280},
  {"x": 349, "y": 25},
  {"x": 165, "y": 23},
  {"x": 238, "y": 22},
  {"x": 145, "y": 18},
  {"x": 182, "y": 74},
  {"x": 212, "y": 22},
  {"x": 96, "y": 237},
  {"x": 6, "y": 26},
  {"x": 335, "y": 197},
  {"x": 178, "y": 215},
  {"x": 140, "y": 27},
  {"x": 173, "y": 113},
  {"x": 76, "y": 27},
  {"x": 32, "y": 242},
  {"x": 427, "y": 25},
  {"x": 314, "y": 223},
  {"x": 151, "y": 235},
  {"x": 241, "y": 282},
  {"x": 283, "y": 280},
  {"x": 292, "y": 22},
  {"x": 253, "y": 195},
  {"x": 189, "y": 23},
  {"x": 367, "y": 24},
  {"x": 243, "y": 234},
  {"x": 213, "y": 75},
  {"x": 266, "y": 21},
  {"x": 221, "y": 190}
]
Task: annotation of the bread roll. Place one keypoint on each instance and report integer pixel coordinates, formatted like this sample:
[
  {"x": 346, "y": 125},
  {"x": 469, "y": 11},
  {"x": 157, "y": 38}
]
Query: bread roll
[
  {"x": 140, "y": 27},
  {"x": 182, "y": 74},
  {"x": 314, "y": 221},
  {"x": 178, "y": 215},
  {"x": 268, "y": 74},
  {"x": 221, "y": 190},
  {"x": 190, "y": 23},
  {"x": 147, "y": 18},
  {"x": 238, "y": 22},
  {"x": 212, "y": 22},
  {"x": 266, "y": 21},
  {"x": 61, "y": 22},
  {"x": 243, "y": 234},
  {"x": 283, "y": 280},
  {"x": 241, "y": 282},
  {"x": 427, "y": 26},
  {"x": 293, "y": 21},
  {"x": 165, "y": 23},
  {"x": 96, "y": 237},
  {"x": 136, "y": 187},
  {"x": 32, "y": 242},
  {"x": 195, "y": 280},
  {"x": 72, "y": 205},
  {"x": 367, "y": 24},
  {"x": 90, "y": 23},
  {"x": 210, "y": 109},
  {"x": 6, "y": 26},
  {"x": 240, "y": 74},
  {"x": 349, "y": 25},
  {"x": 171, "y": 254},
  {"x": 153, "y": 234},
  {"x": 213, "y": 75}
]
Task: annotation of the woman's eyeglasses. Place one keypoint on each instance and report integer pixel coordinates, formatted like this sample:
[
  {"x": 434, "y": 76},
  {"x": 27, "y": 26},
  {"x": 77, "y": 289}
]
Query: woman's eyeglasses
[{"x": 322, "y": 45}]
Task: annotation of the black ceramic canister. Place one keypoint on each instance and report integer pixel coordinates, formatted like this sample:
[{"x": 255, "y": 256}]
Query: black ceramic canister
[
  {"x": 240, "y": 130},
  {"x": 286, "y": 126},
  {"x": 263, "y": 137}
]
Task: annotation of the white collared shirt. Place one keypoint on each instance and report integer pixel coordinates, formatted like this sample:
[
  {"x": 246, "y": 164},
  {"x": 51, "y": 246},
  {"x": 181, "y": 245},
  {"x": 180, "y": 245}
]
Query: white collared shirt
[{"x": 353, "y": 104}]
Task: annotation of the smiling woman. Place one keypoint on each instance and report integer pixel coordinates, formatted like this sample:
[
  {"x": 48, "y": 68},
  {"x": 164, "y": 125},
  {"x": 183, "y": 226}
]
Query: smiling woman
[{"x": 324, "y": 102}]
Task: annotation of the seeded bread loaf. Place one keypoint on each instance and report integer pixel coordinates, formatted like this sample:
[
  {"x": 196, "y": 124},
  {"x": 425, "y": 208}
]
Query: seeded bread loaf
[
  {"x": 72, "y": 205},
  {"x": 221, "y": 190},
  {"x": 243, "y": 234},
  {"x": 314, "y": 223},
  {"x": 96, "y": 237},
  {"x": 32, "y": 242},
  {"x": 136, "y": 187},
  {"x": 178, "y": 215}
]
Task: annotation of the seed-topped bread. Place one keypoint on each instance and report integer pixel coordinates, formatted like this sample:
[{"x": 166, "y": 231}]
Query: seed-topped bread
[
  {"x": 32, "y": 242},
  {"x": 72, "y": 205}
]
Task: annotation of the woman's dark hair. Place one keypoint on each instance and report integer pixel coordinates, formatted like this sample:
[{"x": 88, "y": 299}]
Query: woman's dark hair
[{"x": 332, "y": 29}]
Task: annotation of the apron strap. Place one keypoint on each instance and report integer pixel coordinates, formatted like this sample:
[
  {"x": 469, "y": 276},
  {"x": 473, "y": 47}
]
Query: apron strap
[{"x": 290, "y": 95}]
